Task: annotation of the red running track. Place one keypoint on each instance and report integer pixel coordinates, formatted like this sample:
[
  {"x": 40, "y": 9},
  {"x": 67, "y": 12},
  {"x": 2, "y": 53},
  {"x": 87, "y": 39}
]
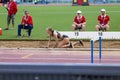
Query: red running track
[{"x": 56, "y": 56}]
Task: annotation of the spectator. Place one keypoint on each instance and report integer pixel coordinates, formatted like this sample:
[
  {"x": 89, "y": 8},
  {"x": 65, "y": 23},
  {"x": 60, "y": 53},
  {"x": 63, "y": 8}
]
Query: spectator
[
  {"x": 79, "y": 22},
  {"x": 12, "y": 10},
  {"x": 26, "y": 23},
  {"x": 103, "y": 21}
]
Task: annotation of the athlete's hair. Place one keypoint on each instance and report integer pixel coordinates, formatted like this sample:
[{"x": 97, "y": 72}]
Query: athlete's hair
[
  {"x": 26, "y": 11},
  {"x": 50, "y": 29}
]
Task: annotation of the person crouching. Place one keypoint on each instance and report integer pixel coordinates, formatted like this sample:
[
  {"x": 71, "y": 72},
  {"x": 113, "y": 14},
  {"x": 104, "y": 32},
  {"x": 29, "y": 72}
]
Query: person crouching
[{"x": 64, "y": 39}]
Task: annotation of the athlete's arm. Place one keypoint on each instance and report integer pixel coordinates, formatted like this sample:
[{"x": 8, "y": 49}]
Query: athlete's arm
[
  {"x": 99, "y": 23},
  {"x": 84, "y": 23},
  {"x": 108, "y": 23},
  {"x": 48, "y": 45}
]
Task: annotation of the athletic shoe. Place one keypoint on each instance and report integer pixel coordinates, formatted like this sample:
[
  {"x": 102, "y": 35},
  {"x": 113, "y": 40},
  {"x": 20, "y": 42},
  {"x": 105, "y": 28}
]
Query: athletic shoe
[
  {"x": 12, "y": 28},
  {"x": 6, "y": 29},
  {"x": 18, "y": 36},
  {"x": 81, "y": 42}
]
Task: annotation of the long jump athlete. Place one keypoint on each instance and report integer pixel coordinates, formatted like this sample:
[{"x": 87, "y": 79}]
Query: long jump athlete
[{"x": 64, "y": 39}]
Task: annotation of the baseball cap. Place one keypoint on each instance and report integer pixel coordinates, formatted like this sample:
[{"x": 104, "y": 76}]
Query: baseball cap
[
  {"x": 79, "y": 11},
  {"x": 103, "y": 10}
]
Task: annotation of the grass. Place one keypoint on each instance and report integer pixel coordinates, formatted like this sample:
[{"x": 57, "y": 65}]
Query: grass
[{"x": 59, "y": 18}]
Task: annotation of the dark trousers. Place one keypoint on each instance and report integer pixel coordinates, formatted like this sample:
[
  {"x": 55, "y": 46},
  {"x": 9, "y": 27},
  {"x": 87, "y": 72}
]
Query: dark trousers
[{"x": 29, "y": 28}]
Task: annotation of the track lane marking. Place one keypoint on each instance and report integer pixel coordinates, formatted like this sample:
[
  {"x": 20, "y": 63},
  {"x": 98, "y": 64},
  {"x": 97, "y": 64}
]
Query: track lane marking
[{"x": 27, "y": 56}]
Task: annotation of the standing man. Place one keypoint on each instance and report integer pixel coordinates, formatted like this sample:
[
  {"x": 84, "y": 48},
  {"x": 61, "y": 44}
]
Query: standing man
[
  {"x": 79, "y": 22},
  {"x": 26, "y": 23},
  {"x": 12, "y": 10},
  {"x": 103, "y": 21}
]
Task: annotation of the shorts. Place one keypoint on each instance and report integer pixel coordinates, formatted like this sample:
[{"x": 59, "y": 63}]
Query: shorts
[
  {"x": 65, "y": 36},
  {"x": 101, "y": 29},
  {"x": 78, "y": 27},
  {"x": 9, "y": 18}
]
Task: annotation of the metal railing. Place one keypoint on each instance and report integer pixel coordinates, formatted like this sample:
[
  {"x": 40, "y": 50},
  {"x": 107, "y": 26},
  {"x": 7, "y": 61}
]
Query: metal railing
[{"x": 59, "y": 72}]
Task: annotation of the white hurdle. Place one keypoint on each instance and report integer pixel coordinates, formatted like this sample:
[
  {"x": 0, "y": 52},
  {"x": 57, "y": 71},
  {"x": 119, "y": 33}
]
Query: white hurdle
[{"x": 92, "y": 35}]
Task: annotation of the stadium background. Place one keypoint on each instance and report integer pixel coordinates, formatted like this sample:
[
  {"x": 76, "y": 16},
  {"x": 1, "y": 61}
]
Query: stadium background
[{"x": 64, "y": 1}]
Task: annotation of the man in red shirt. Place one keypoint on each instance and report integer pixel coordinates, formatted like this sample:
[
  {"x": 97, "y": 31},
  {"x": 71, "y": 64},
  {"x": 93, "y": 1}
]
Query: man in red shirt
[
  {"x": 103, "y": 21},
  {"x": 12, "y": 10},
  {"x": 79, "y": 22},
  {"x": 26, "y": 23}
]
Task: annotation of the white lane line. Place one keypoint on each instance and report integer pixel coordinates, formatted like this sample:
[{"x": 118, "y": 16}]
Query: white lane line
[
  {"x": 65, "y": 12},
  {"x": 116, "y": 59},
  {"x": 27, "y": 56}
]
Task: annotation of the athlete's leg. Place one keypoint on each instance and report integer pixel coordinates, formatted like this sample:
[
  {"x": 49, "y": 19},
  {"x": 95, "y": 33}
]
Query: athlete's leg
[
  {"x": 97, "y": 27},
  {"x": 65, "y": 43},
  {"x": 83, "y": 27},
  {"x": 107, "y": 27},
  {"x": 74, "y": 27},
  {"x": 80, "y": 43}
]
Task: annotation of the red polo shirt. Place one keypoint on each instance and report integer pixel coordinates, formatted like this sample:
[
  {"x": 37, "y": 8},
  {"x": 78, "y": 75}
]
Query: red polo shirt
[
  {"x": 12, "y": 8},
  {"x": 79, "y": 20},
  {"x": 103, "y": 19},
  {"x": 27, "y": 20}
]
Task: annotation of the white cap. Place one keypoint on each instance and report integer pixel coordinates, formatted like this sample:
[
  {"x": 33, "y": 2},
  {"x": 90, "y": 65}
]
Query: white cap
[
  {"x": 79, "y": 12},
  {"x": 5, "y": 5},
  {"x": 103, "y": 10}
]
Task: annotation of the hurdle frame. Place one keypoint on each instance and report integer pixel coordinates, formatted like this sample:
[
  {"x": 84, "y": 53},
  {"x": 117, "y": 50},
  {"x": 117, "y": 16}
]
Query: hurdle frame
[
  {"x": 100, "y": 49},
  {"x": 100, "y": 34},
  {"x": 92, "y": 51}
]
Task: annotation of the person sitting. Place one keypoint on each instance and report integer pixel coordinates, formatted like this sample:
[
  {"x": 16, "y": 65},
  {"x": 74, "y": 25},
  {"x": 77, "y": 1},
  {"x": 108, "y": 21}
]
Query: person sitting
[
  {"x": 103, "y": 21},
  {"x": 26, "y": 23},
  {"x": 65, "y": 41},
  {"x": 79, "y": 22}
]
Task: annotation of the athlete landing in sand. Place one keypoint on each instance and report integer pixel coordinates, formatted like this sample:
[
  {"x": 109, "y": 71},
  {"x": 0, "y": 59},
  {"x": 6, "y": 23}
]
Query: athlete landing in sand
[{"x": 65, "y": 41}]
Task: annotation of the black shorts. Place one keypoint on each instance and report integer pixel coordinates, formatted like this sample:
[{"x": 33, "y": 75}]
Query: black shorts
[
  {"x": 65, "y": 36},
  {"x": 78, "y": 27},
  {"x": 101, "y": 29}
]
